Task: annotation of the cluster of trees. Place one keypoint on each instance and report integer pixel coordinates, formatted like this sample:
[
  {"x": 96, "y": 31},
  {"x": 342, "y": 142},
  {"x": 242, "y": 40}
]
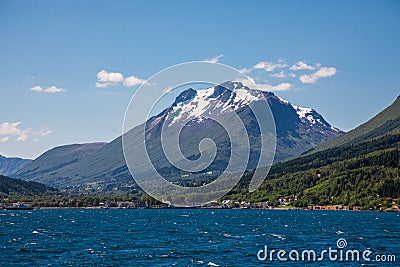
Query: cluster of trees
[
  {"x": 57, "y": 200},
  {"x": 17, "y": 187},
  {"x": 390, "y": 188},
  {"x": 16, "y": 190}
]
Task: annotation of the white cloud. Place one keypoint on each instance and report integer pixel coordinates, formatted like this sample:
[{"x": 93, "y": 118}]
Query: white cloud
[
  {"x": 245, "y": 70},
  {"x": 44, "y": 132},
  {"x": 269, "y": 66},
  {"x": 281, "y": 70},
  {"x": 282, "y": 74},
  {"x": 279, "y": 75},
  {"x": 13, "y": 129},
  {"x": 301, "y": 65},
  {"x": 266, "y": 66},
  {"x": 8, "y": 129},
  {"x": 323, "y": 72},
  {"x": 132, "y": 81},
  {"x": 250, "y": 82},
  {"x": 37, "y": 88},
  {"x": 50, "y": 89},
  {"x": 102, "y": 85},
  {"x": 278, "y": 87},
  {"x": 112, "y": 77},
  {"x": 213, "y": 59},
  {"x": 106, "y": 79},
  {"x": 4, "y": 139}
]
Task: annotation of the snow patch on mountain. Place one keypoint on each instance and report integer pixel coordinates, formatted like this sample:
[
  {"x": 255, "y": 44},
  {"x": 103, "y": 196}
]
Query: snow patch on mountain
[
  {"x": 243, "y": 96},
  {"x": 305, "y": 114},
  {"x": 283, "y": 100},
  {"x": 203, "y": 102},
  {"x": 308, "y": 115},
  {"x": 302, "y": 112},
  {"x": 220, "y": 99},
  {"x": 195, "y": 108}
]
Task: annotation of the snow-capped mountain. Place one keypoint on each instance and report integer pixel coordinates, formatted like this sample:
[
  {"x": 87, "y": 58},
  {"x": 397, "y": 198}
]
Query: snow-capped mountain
[
  {"x": 194, "y": 104},
  {"x": 297, "y": 130},
  {"x": 309, "y": 115}
]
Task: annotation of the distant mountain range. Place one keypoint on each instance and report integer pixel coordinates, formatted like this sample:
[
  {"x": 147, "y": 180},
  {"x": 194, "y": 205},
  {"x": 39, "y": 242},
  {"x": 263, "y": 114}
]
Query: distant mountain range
[
  {"x": 101, "y": 167},
  {"x": 11, "y": 165}
]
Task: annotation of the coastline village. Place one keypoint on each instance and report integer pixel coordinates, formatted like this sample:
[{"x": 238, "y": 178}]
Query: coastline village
[{"x": 284, "y": 203}]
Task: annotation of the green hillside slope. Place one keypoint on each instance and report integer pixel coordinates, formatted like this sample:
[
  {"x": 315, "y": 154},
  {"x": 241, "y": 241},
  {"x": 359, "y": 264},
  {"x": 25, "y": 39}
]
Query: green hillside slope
[
  {"x": 10, "y": 187},
  {"x": 385, "y": 122},
  {"x": 365, "y": 174},
  {"x": 56, "y": 160}
]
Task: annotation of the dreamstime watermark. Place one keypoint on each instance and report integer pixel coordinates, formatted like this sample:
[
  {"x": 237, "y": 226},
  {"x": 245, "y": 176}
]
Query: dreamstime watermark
[
  {"x": 338, "y": 253},
  {"x": 148, "y": 146}
]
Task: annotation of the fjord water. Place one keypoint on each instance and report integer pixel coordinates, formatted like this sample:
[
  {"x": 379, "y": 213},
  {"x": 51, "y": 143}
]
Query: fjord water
[{"x": 187, "y": 237}]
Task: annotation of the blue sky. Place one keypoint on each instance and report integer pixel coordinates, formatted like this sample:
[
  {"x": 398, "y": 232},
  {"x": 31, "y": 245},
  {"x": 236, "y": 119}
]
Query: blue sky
[{"x": 52, "y": 54}]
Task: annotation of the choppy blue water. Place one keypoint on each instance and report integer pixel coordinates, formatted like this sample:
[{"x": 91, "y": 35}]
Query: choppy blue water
[{"x": 191, "y": 237}]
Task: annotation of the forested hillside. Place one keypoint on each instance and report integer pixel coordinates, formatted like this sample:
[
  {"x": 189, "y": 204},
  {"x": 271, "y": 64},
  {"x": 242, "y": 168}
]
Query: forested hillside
[
  {"x": 364, "y": 174},
  {"x": 10, "y": 187}
]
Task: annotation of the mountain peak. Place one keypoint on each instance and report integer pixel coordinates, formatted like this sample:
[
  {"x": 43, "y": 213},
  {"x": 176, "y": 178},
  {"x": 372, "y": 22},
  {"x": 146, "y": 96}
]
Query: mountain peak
[
  {"x": 234, "y": 95},
  {"x": 233, "y": 85},
  {"x": 186, "y": 95},
  {"x": 226, "y": 89},
  {"x": 223, "y": 89}
]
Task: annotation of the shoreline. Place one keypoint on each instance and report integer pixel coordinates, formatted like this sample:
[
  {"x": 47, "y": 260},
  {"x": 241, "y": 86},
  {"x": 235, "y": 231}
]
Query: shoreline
[{"x": 198, "y": 208}]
